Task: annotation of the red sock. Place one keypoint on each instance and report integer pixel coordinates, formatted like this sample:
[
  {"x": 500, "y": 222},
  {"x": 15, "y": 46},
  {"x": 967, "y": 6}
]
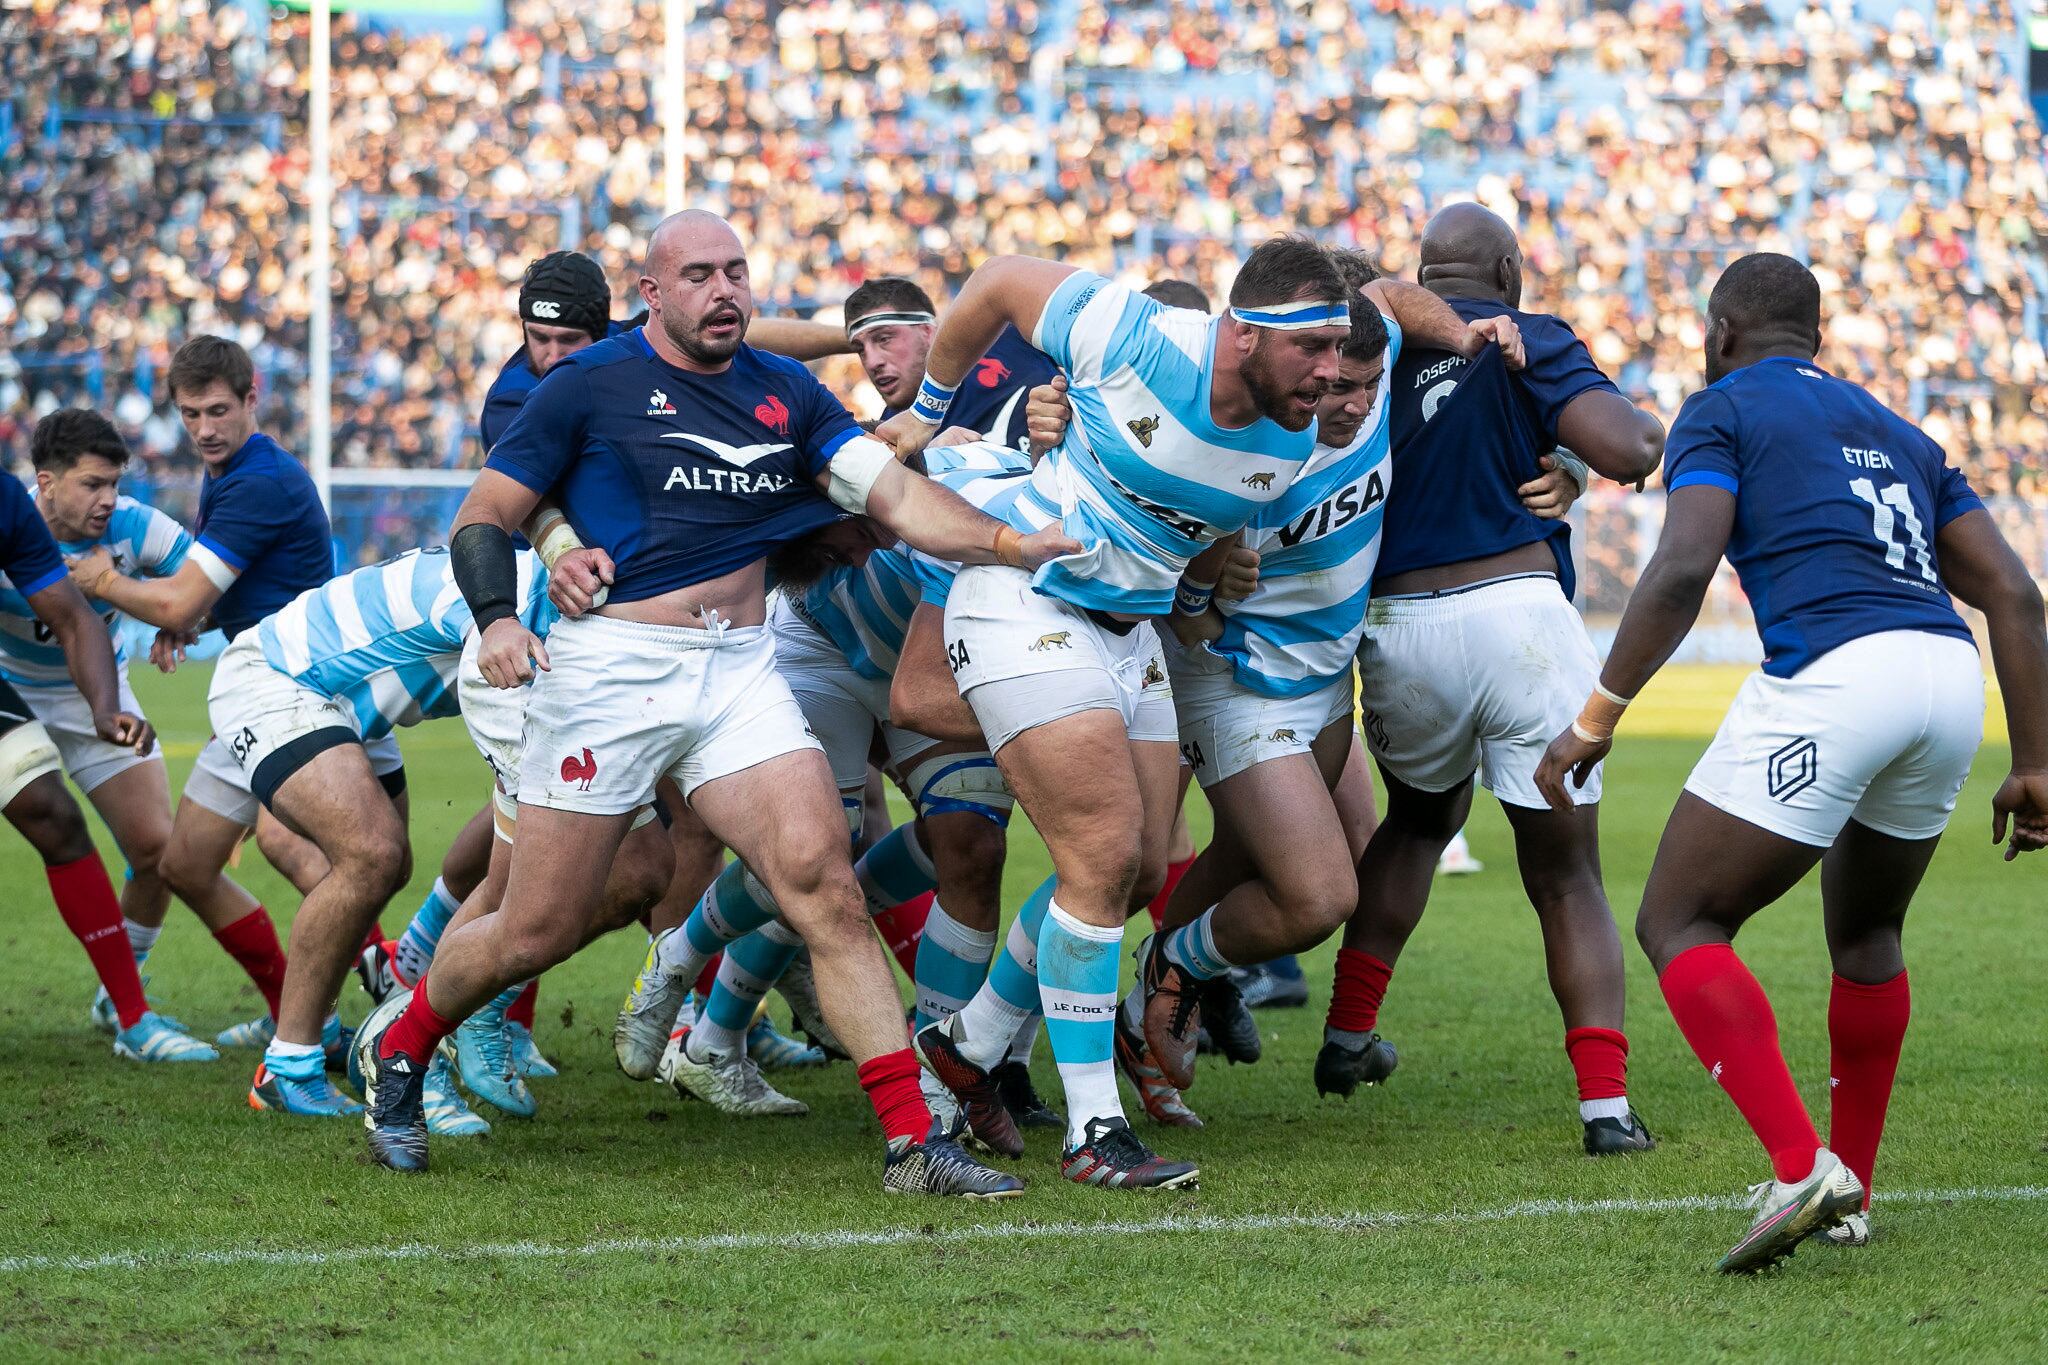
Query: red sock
[
  {"x": 252, "y": 942},
  {"x": 707, "y": 978},
  {"x": 522, "y": 1009},
  {"x": 891, "y": 1083},
  {"x": 1600, "y": 1059},
  {"x": 85, "y": 898},
  {"x": 417, "y": 1032},
  {"x": 1866, "y": 1028},
  {"x": 1361, "y": 985},
  {"x": 1156, "y": 907},
  {"x": 902, "y": 926},
  {"x": 1727, "y": 1018}
]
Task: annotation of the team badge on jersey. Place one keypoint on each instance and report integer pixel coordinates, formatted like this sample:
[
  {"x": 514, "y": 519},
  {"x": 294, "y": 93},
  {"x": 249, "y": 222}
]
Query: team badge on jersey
[
  {"x": 773, "y": 415},
  {"x": 659, "y": 406},
  {"x": 581, "y": 771},
  {"x": 1263, "y": 480},
  {"x": 1142, "y": 428},
  {"x": 989, "y": 372}
]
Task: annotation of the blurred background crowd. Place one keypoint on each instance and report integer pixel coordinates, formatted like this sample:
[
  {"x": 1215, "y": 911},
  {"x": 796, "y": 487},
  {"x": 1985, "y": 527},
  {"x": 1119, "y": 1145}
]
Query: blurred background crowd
[{"x": 152, "y": 164}]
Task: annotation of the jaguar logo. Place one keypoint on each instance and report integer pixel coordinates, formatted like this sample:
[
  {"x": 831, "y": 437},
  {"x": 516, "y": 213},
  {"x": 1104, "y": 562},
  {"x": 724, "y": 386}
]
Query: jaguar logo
[
  {"x": 1142, "y": 428},
  {"x": 1058, "y": 639},
  {"x": 1282, "y": 736},
  {"x": 1263, "y": 481}
]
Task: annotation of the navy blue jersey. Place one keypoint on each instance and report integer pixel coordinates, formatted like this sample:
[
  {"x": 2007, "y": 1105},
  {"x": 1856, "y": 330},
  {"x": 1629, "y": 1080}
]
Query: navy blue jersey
[
  {"x": 1837, "y": 502},
  {"x": 260, "y": 516},
  {"x": 991, "y": 398},
  {"x": 28, "y": 552},
  {"x": 680, "y": 477},
  {"x": 1457, "y": 478},
  {"x": 515, "y": 380}
]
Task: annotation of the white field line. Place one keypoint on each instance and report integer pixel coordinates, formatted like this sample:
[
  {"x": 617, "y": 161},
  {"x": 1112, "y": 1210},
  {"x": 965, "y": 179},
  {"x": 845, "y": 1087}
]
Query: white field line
[{"x": 841, "y": 1238}]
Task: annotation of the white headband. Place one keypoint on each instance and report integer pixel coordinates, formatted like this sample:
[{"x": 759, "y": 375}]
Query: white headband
[
  {"x": 912, "y": 319},
  {"x": 1299, "y": 316}
]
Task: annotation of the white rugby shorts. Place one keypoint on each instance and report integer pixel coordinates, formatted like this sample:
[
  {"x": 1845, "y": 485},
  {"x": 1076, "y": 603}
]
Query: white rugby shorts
[
  {"x": 626, "y": 703},
  {"x": 1226, "y": 728},
  {"x": 842, "y": 706},
  {"x": 67, "y": 716},
  {"x": 1479, "y": 678},
  {"x": 1022, "y": 659},
  {"x": 1880, "y": 730},
  {"x": 266, "y": 726}
]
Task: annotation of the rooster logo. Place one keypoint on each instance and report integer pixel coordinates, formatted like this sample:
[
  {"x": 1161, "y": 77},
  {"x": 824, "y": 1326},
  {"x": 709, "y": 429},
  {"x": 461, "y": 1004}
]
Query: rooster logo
[
  {"x": 773, "y": 415},
  {"x": 580, "y": 770},
  {"x": 989, "y": 372}
]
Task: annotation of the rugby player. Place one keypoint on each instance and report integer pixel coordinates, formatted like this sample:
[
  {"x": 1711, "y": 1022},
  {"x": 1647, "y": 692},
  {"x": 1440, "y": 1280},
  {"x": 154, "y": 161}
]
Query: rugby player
[
  {"x": 1184, "y": 426},
  {"x": 262, "y": 539},
  {"x": 686, "y": 457},
  {"x": 79, "y": 457},
  {"x": 1848, "y": 530},
  {"x": 1473, "y": 656},
  {"x": 32, "y": 794},
  {"x": 889, "y": 324}
]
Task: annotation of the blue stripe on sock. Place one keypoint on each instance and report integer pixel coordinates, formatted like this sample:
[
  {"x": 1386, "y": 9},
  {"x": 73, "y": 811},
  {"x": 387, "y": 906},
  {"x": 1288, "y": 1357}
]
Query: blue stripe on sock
[
  {"x": 428, "y": 923},
  {"x": 759, "y": 957},
  {"x": 1078, "y": 971},
  {"x": 736, "y": 905},
  {"x": 1007, "y": 977},
  {"x": 941, "y": 972},
  {"x": 891, "y": 873}
]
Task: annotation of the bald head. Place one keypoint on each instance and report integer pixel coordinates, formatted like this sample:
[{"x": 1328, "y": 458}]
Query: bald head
[
  {"x": 698, "y": 294},
  {"x": 1470, "y": 252},
  {"x": 689, "y": 230}
]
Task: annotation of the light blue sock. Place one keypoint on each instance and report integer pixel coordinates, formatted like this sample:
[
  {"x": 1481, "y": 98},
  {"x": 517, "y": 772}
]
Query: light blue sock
[
  {"x": 422, "y": 935},
  {"x": 952, "y": 962},
  {"x": 750, "y": 970},
  {"x": 895, "y": 870},
  {"x": 1193, "y": 948},
  {"x": 985, "y": 1028},
  {"x": 734, "y": 906},
  {"x": 301, "y": 1062},
  {"x": 330, "y": 1032},
  {"x": 1077, "y": 977}
]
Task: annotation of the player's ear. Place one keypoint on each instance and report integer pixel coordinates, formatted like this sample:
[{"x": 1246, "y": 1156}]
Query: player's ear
[{"x": 650, "y": 293}]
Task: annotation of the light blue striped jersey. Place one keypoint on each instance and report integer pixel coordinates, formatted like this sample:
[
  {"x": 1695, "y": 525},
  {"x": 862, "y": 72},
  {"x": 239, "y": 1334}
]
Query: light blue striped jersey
[
  {"x": 144, "y": 543},
  {"x": 1318, "y": 545},
  {"x": 1144, "y": 478},
  {"x": 386, "y": 640},
  {"x": 865, "y": 611}
]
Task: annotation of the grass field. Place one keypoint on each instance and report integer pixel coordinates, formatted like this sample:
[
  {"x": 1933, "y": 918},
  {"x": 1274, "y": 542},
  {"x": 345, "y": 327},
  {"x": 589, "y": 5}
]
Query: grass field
[{"x": 148, "y": 1211}]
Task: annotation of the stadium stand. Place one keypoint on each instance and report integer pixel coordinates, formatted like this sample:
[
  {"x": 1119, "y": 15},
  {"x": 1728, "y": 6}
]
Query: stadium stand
[{"x": 151, "y": 164}]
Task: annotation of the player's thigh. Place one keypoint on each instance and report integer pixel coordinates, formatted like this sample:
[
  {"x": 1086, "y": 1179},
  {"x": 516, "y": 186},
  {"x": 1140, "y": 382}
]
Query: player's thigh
[
  {"x": 336, "y": 800},
  {"x": 202, "y": 840},
  {"x": 136, "y": 804},
  {"x": 783, "y": 818},
  {"x": 1352, "y": 789},
  {"x": 1282, "y": 813},
  {"x": 1558, "y": 852},
  {"x": 1419, "y": 813},
  {"x": 1713, "y": 871},
  {"x": 555, "y": 882},
  {"x": 1076, "y": 779}
]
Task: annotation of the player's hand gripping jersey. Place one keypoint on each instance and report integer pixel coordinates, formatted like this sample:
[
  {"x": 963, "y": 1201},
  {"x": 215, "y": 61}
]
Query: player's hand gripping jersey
[{"x": 1144, "y": 478}]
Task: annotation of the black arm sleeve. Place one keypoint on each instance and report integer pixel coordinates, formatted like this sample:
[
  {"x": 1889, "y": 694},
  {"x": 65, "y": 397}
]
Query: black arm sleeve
[{"x": 487, "y": 571}]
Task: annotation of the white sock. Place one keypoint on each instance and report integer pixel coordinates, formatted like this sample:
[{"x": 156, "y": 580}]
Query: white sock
[
  {"x": 141, "y": 938},
  {"x": 1026, "y": 1039},
  {"x": 709, "y": 1038},
  {"x": 1614, "y": 1108}
]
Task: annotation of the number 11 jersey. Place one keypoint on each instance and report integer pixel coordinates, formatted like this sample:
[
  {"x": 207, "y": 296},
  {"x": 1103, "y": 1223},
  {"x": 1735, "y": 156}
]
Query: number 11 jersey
[{"x": 1837, "y": 502}]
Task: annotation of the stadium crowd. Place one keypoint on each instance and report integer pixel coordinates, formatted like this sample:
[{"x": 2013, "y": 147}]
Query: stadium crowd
[{"x": 1632, "y": 145}]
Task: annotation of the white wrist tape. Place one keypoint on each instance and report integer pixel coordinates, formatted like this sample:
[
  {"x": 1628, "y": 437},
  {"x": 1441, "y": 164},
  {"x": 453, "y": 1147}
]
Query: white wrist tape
[
  {"x": 852, "y": 472},
  {"x": 553, "y": 537},
  {"x": 1576, "y": 468}
]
